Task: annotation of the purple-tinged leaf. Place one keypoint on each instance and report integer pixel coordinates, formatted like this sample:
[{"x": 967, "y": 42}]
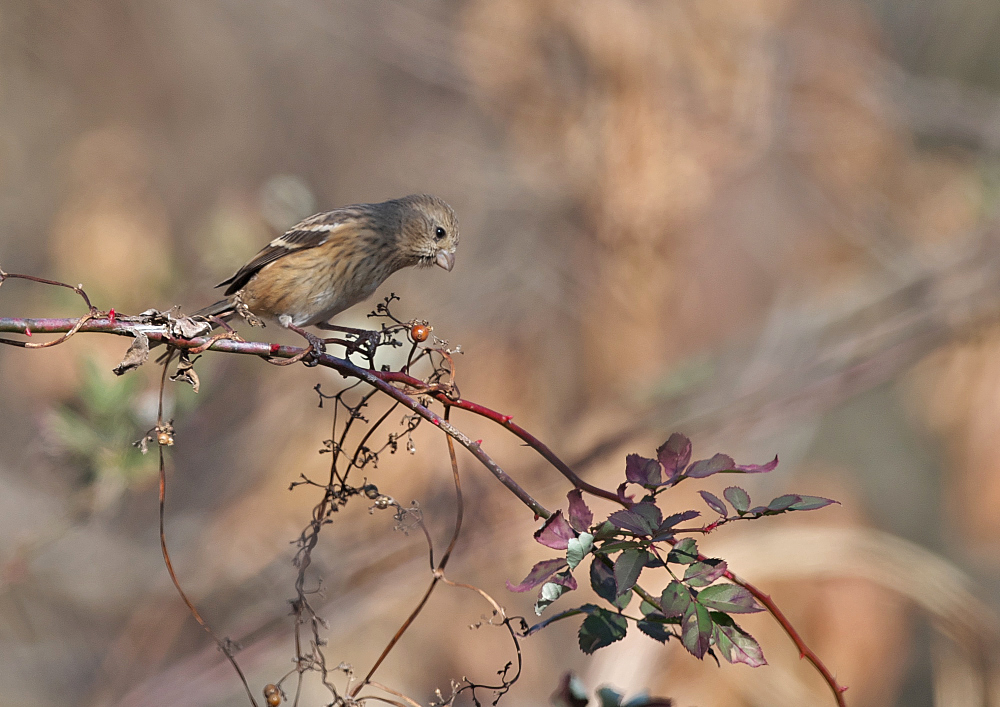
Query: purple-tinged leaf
[
  {"x": 539, "y": 574},
  {"x": 642, "y": 471},
  {"x": 675, "y": 600},
  {"x": 602, "y": 579},
  {"x": 696, "y": 630},
  {"x": 729, "y": 598},
  {"x": 707, "y": 467},
  {"x": 621, "y": 494},
  {"x": 738, "y": 497},
  {"x": 735, "y": 644},
  {"x": 555, "y": 533},
  {"x": 600, "y": 629},
  {"x": 715, "y": 503},
  {"x": 557, "y": 585},
  {"x": 674, "y": 455},
  {"x": 757, "y": 510},
  {"x": 641, "y": 519},
  {"x": 783, "y": 503},
  {"x": 810, "y": 503},
  {"x": 684, "y": 552},
  {"x": 672, "y": 520},
  {"x": 565, "y": 579},
  {"x": 757, "y": 468},
  {"x": 701, "y": 574},
  {"x": 630, "y": 521},
  {"x": 580, "y": 515},
  {"x": 628, "y": 566}
]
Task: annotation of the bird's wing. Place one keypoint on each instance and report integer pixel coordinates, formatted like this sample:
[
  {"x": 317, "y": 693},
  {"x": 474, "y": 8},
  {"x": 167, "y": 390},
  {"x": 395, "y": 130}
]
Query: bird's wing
[{"x": 313, "y": 232}]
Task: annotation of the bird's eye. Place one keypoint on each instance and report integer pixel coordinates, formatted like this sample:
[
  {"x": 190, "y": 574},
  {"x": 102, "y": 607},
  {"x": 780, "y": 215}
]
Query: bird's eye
[{"x": 439, "y": 233}]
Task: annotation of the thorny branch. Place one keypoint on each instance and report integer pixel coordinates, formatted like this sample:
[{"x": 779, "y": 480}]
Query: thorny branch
[{"x": 187, "y": 336}]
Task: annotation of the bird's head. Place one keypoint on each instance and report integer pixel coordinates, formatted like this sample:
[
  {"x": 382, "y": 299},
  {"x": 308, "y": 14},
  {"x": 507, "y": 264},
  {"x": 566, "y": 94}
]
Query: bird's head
[{"x": 429, "y": 234}]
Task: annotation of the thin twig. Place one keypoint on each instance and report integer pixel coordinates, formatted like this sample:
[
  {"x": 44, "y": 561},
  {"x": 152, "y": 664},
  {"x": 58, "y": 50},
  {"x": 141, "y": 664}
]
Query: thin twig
[
  {"x": 266, "y": 350},
  {"x": 438, "y": 571},
  {"x": 224, "y": 646}
]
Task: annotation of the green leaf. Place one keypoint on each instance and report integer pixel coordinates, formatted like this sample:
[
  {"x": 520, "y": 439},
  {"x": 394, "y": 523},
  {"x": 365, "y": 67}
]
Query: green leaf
[
  {"x": 701, "y": 574},
  {"x": 613, "y": 547},
  {"x": 729, "y": 598},
  {"x": 735, "y": 644},
  {"x": 684, "y": 552},
  {"x": 696, "y": 630},
  {"x": 810, "y": 503},
  {"x": 605, "y": 531},
  {"x": 655, "y": 630},
  {"x": 628, "y": 566},
  {"x": 675, "y": 600},
  {"x": 549, "y": 593},
  {"x": 577, "y": 548},
  {"x": 783, "y": 503},
  {"x": 600, "y": 629},
  {"x": 646, "y": 608},
  {"x": 621, "y": 602},
  {"x": 738, "y": 497}
]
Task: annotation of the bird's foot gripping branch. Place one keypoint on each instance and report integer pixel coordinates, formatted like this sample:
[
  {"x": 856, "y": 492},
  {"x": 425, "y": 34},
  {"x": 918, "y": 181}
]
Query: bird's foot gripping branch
[{"x": 638, "y": 541}]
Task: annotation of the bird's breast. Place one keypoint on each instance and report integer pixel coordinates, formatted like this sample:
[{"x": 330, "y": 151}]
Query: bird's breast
[{"x": 310, "y": 286}]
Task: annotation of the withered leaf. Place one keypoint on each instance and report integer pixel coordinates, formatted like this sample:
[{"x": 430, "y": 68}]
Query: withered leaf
[
  {"x": 136, "y": 355},
  {"x": 185, "y": 372},
  {"x": 188, "y": 328}
]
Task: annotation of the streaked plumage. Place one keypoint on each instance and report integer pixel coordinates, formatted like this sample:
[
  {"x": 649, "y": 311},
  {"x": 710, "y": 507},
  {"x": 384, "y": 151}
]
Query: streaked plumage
[{"x": 334, "y": 260}]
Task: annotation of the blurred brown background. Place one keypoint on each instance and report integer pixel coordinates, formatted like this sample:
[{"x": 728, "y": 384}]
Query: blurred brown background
[{"x": 765, "y": 223}]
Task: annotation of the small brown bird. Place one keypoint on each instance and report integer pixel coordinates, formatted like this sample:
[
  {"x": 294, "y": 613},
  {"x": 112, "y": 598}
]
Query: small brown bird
[{"x": 334, "y": 260}]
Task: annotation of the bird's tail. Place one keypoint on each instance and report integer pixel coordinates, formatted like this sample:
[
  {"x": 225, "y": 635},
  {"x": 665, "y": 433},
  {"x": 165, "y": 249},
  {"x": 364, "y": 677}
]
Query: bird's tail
[{"x": 223, "y": 308}]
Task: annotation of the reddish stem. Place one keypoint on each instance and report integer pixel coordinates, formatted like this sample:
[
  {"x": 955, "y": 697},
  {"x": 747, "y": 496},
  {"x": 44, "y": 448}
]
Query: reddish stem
[
  {"x": 505, "y": 421},
  {"x": 382, "y": 380},
  {"x": 804, "y": 650}
]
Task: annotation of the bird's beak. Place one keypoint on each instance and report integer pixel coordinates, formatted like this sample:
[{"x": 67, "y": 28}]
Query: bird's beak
[{"x": 445, "y": 259}]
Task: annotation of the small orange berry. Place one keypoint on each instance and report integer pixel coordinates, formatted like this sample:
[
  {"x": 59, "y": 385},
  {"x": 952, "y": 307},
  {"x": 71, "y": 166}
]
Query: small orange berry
[
  {"x": 274, "y": 699},
  {"x": 420, "y": 332},
  {"x": 270, "y": 689}
]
